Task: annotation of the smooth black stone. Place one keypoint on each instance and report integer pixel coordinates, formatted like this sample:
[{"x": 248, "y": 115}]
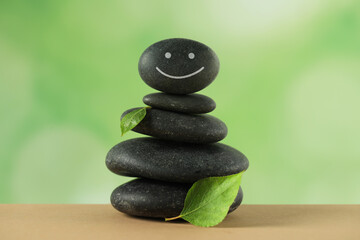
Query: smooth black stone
[
  {"x": 181, "y": 127},
  {"x": 190, "y": 103},
  {"x": 174, "y": 161},
  {"x": 150, "y": 198},
  {"x": 168, "y": 66}
]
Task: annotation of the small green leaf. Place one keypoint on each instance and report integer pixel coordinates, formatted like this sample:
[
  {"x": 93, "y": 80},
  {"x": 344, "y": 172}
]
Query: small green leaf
[
  {"x": 208, "y": 200},
  {"x": 130, "y": 120}
]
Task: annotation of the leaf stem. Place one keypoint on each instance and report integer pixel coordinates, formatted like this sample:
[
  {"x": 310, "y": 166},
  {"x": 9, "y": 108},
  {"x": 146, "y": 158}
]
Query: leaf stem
[{"x": 173, "y": 218}]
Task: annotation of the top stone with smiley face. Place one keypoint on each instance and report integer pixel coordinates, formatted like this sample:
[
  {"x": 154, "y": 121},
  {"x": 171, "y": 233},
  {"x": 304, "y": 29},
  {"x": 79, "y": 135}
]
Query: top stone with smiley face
[{"x": 178, "y": 66}]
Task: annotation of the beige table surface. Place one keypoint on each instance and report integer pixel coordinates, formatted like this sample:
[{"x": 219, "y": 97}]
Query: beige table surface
[{"x": 266, "y": 222}]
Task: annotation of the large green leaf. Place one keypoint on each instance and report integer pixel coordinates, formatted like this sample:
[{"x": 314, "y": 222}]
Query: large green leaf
[
  {"x": 130, "y": 120},
  {"x": 208, "y": 200}
]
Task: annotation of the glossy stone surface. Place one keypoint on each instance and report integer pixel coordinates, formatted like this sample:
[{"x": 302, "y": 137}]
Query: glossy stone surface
[
  {"x": 151, "y": 198},
  {"x": 190, "y": 103},
  {"x": 193, "y": 128},
  {"x": 178, "y": 66},
  {"x": 174, "y": 161}
]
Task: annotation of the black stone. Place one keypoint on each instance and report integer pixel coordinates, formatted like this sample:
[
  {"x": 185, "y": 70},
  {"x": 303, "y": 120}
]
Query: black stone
[
  {"x": 181, "y": 127},
  {"x": 191, "y": 103},
  {"x": 150, "y": 198},
  {"x": 178, "y": 66},
  {"x": 174, "y": 161}
]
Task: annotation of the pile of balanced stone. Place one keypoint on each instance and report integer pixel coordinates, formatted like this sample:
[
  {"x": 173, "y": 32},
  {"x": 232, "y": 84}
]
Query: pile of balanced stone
[{"x": 183, "y": 145}]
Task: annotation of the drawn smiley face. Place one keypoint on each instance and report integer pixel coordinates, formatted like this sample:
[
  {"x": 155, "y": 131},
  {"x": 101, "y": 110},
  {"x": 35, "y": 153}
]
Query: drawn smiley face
[{"x": 178, "y": 66}]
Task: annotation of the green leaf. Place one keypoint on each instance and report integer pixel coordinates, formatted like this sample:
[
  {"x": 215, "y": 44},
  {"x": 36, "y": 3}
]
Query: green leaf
[
  {"x": 208, "y": 200},
  {"x": 130, "y": 120}
]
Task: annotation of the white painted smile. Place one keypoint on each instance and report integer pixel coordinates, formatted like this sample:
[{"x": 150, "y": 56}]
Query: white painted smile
[{"x": 180, "y": 77}]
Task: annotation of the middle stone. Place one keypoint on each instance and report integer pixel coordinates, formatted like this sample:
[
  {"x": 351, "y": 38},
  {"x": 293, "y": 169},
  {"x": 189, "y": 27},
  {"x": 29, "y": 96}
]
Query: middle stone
[{"x": 181, "y": 127}]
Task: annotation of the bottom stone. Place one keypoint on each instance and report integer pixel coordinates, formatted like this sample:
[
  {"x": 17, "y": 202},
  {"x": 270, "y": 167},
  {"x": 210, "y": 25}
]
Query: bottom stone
[{"x": 157, "y": 199}]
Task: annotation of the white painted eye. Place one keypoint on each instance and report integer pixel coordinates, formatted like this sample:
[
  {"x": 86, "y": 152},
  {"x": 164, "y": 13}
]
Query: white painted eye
[
  {"x": 191, "y": 55},
  {"x": 168, "y": 55}
]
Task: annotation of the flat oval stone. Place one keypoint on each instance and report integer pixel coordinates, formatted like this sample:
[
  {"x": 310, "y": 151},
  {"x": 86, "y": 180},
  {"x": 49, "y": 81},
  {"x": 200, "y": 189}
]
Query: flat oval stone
[
  {"x": 178, "y": 66},
  {"x": 174, "y": 161},
  {"x": 191, "y": 103},
  {"x": 181, "y": 127},
  {"x": 157, "y": 199}
]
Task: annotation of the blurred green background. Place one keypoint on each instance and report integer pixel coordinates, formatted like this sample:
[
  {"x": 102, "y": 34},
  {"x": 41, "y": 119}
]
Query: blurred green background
[{"x": 288, "y": 90}]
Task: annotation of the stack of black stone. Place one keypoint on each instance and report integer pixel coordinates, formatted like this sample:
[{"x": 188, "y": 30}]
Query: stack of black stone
[{"x": 183, "y": 146}]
